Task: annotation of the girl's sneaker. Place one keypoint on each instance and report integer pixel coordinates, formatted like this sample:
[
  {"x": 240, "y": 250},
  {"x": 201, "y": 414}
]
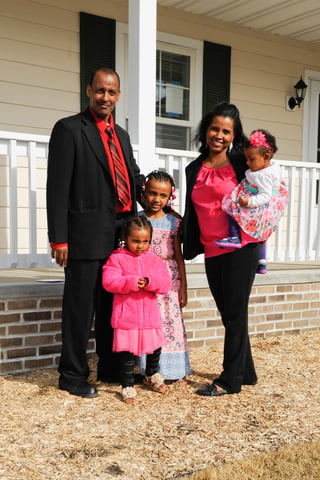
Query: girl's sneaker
[
  {"x": 262, "y": 268},
  {"x": 155, "y": 382},
  {"x": 128, "y": 394},
  {"x": 229, "y": 242}
]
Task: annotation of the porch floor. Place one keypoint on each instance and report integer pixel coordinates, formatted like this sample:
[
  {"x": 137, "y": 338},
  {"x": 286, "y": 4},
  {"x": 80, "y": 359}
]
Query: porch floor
[
  {"x": 17, "y": 275},
  {"x": 278, "y": 272}
]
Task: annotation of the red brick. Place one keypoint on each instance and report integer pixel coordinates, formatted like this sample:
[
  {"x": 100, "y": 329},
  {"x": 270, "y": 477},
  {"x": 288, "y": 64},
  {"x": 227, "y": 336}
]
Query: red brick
[
  {"x": 204, "y": 314},
  {"x": 285, "y": 324},
  {"x": 214, "y": 323},
  {"x": 50, "y": 327},
  {"x": 283, "y": 307},
  {"x": 276, "y": 298},
  {"x": 10, "y": 318},
  {"x": 22, "y": 304},
  {"x": 292, "y": 315},
  {"x": 10, "y": 367},
  {"x": 301, "y": 306},
  {"x": 39, "y": 340},
  {"x": 261, "y": 299},
  {"x": 46, "y": 315},
  {"x": 50, "y": 350},
  {"x": 284, "y": 288},
  {"x": 21, "y": 352},
  {"x": 303, "y": 287},
  {"x": 265, "y": 326},
  {"x": 39, "y": 363},
  {"x": 23, "y": 329},
  {"x": 58, "y": 338},
  {"x": 194, "y": 304},
  {"x": 294, "y": 297},
  {"x": 51, "y": 303},
  {"x": 11, "y": 342}
]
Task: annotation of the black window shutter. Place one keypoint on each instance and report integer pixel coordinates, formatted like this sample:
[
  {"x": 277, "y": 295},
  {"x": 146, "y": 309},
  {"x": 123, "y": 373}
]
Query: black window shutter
[
  {"x": 216, "y": 75},
  {"x": 97, "y": 48}
]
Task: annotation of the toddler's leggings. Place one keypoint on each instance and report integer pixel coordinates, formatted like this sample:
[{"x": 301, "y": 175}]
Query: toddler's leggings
[{"x": 128, "y": 361}]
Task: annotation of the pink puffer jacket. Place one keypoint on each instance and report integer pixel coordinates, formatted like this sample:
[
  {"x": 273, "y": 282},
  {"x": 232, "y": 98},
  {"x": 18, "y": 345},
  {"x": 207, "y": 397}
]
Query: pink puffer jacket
[{"x": 134, "y": 308}]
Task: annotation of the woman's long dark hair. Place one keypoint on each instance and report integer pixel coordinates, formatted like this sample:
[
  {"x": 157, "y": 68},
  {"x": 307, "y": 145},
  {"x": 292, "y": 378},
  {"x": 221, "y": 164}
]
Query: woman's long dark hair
[{"x": 224, "y": 110}]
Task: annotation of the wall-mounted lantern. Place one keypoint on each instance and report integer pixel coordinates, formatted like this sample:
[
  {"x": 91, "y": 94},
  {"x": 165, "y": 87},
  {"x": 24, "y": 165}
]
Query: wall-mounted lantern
[{"x": 300, "y": 92}]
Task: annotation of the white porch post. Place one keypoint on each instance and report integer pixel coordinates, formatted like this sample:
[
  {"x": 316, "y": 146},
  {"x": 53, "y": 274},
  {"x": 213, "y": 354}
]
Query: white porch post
[{"x": 142, "y": 80}]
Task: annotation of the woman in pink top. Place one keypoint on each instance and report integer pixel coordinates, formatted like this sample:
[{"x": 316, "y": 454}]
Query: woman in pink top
[{"x": 230, "y": 273}]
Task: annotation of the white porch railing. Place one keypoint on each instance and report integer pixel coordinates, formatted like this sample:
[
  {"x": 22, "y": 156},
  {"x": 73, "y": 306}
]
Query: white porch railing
[{"x": 23, "y": 229}]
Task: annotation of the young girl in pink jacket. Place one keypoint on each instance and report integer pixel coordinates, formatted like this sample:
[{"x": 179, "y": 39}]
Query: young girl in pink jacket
[{"x": 135, "y": 276}]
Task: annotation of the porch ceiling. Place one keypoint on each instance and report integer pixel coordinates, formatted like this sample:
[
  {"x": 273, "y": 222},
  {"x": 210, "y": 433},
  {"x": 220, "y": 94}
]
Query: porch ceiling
[{"x": 298, "y": 19}]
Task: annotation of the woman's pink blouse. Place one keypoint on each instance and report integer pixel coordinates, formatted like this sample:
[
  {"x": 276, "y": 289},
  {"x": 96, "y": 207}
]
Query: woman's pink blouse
[{"x": 211, "y": 186}]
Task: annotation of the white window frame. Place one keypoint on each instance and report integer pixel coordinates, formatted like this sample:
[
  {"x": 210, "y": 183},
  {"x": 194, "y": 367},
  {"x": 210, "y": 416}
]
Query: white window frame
[{"x": 170, "y": 43}]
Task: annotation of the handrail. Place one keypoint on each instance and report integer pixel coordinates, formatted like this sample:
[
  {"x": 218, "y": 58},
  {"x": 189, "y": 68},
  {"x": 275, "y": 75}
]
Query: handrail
[{"x": 23, "y": 232}]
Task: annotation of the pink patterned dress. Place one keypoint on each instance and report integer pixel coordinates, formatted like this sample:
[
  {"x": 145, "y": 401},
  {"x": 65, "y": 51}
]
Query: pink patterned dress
[
  {"x": 174, "y": 359},
  {"x": 268, "y": 197}
]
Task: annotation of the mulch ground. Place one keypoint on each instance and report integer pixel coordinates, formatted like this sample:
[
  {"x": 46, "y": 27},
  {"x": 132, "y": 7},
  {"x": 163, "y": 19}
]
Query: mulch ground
[{"x": 47, "y": 434}]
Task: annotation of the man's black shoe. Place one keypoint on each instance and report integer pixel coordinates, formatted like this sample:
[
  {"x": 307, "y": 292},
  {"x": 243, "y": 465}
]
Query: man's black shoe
[{"x": 79, "y": 387}]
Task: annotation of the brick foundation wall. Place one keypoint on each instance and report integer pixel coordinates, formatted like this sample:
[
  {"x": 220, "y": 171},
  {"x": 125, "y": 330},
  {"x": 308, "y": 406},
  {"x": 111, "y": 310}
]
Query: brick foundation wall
[
  {"x": 273, "y": 310},
  {"x": 30, "y": 316}
]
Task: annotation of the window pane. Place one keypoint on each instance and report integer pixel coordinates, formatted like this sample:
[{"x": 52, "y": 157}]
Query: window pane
[
  {"x": 173, "y": 86},
  {"x": 172, "y": 136},
  {"x": 175, "y": 69}
]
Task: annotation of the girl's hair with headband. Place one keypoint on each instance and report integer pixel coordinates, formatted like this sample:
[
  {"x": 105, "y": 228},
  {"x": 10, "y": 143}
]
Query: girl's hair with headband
[{"x": 261, "y": 139}]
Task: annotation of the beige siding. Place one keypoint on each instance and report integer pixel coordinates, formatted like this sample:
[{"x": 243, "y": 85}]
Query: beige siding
[
  {"x": 40, "y": 67},
  {"x": 264, "y": 69}
]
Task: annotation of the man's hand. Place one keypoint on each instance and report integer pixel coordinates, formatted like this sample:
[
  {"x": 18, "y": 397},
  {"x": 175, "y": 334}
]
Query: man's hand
[{"x": 60, "y": 254}]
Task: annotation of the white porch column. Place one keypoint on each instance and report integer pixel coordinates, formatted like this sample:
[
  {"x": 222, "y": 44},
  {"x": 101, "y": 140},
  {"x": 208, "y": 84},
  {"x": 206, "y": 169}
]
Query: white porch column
[{"x": 142, "y": 80}]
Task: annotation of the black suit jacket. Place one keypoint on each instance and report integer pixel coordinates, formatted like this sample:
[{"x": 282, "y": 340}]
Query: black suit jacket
[
  {"x": 81, "y": 196},
  {"x": 191, "y": 230}
]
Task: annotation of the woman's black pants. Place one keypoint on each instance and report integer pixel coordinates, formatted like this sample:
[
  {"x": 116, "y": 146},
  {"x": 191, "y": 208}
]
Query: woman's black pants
[{"x": 230, "y": 277}]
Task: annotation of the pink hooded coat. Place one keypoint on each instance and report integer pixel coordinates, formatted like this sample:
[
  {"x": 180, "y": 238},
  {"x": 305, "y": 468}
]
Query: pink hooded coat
[{"x": 134, "y": 308}]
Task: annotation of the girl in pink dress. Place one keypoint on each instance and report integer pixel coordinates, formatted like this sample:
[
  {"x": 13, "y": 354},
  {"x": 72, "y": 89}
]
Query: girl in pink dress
[
  {"x": 158, "y": 195},
  {"x": 135, "y": 276}
]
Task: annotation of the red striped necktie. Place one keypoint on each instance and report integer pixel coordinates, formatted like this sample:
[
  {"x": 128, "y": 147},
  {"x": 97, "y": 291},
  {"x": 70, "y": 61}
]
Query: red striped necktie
[{"x": 121, "y": 184}]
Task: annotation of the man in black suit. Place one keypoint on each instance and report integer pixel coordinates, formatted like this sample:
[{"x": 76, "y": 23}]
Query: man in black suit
[{"x": 85, "y": 210}]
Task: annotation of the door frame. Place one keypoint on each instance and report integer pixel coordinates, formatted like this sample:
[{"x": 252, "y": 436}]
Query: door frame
[{"x": 310, "y": 116}]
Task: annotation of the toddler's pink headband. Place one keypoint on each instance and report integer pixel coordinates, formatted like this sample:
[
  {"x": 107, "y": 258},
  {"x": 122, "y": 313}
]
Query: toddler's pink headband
[{"x": 258, "y": 139}]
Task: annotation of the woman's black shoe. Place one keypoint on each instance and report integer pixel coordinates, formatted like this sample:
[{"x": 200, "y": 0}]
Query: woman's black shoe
[{"x": 210, "y": 390}]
